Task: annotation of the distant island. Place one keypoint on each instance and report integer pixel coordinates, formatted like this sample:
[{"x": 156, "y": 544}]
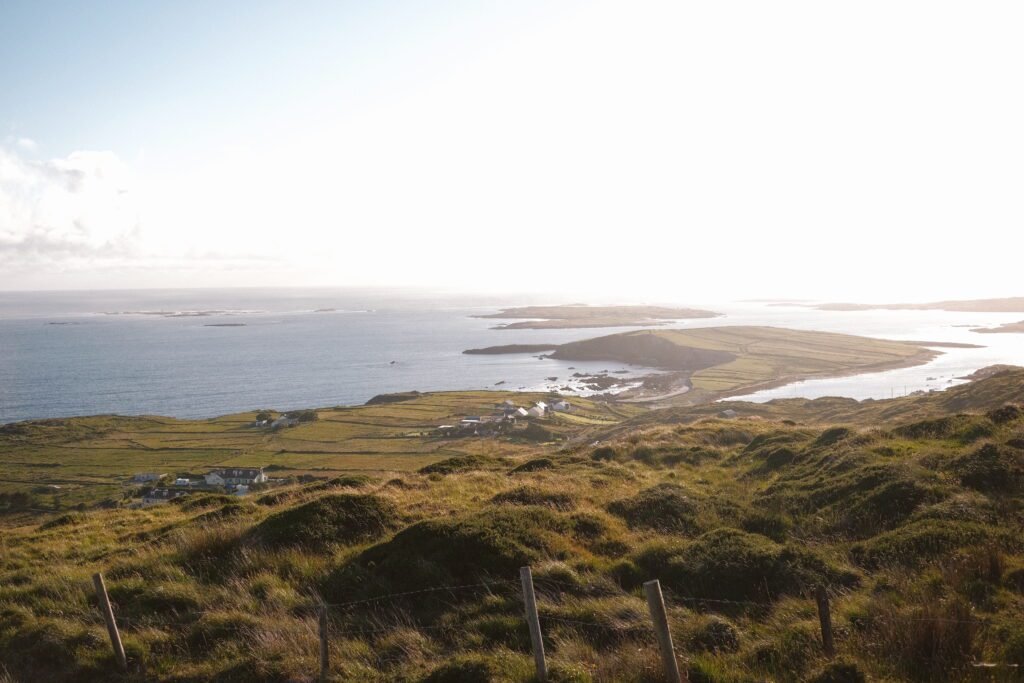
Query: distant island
[
  {"x": 1017, "y": 327},
  {"x": 708, "y": 363},
  {"x": 1007, "y": 305},
  {"x": 579, "y": 315}
]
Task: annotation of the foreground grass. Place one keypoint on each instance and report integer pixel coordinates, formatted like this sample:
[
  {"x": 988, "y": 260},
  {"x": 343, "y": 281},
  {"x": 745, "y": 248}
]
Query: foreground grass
[{"x": 914, "y": 524}]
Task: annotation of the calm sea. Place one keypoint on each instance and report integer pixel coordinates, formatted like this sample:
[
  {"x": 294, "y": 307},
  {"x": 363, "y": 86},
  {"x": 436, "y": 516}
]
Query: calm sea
[{"x": 81, "y": 353}]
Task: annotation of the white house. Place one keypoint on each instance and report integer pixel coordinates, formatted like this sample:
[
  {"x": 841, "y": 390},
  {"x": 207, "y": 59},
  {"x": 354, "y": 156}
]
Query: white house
[
  {"x": 182, "y": 481},
  {"x": 160, "y": 496},
  {"x": 143, "y": 477},
  {"x": 283, "y": 421},
  {"x": 521, "y": 412},
  {"x": 539, "y": 409},
  {"x": 245, "y": 476},
  {"x": 561, "y": 406}
]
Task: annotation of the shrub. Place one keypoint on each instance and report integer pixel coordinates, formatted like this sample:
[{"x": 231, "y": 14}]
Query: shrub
[
  {"x": 990, "y": 469},
  {"x": 498, "y": 666},
  {"x": 534, "y": 465},
  {"x": 603, "y": 453},
  {"x": 665, "y": 507},
  {"x": 568, "y": 673},
  {"x": 353, "y": 481},
  {"x": 528, "y": 495},
  {"x": 939, "y": 641},
  {"x": 437, "y": 552},
  {"x": 144, "y": 598},
  {"x": 332, "y": 519},
  {"x": 885, "y": 506},
  {"x": 833, "y": 436},
  {"x": 68, "y": 519},
  {"x": 839, "y": 672},
  {"x": 918, "y": 542},
  {"x": 198, "y": 501},
  {"x": 728, "y": 564},
  {"x": 460, "y": 463},
  {"x": 770, "y": 524},
  {"x": 963, "y": 428},
  {"x": 463, "y": 670},
  {"x": 1007, "y": 413},
  {"x": 214, "y": 628},
  {"x": 716, "y": 635}
]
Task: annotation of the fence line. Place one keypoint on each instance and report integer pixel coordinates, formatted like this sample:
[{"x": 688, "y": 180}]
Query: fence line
[{"x": 657, "y": 599}]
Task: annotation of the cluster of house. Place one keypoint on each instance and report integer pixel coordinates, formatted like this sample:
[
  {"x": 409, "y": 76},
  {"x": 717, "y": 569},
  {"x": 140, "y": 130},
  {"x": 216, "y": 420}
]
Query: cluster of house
[
  {"x": 278, "y": 423},
  {"x": 237, "y": 480},
  {"x": 503, "y": 418}
]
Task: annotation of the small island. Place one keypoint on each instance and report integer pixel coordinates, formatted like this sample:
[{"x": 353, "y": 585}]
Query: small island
[
  {"x": 1017, "y": 327},
  {"x": 580, "y": 315},
  {"x": 1006, "y": 305}
]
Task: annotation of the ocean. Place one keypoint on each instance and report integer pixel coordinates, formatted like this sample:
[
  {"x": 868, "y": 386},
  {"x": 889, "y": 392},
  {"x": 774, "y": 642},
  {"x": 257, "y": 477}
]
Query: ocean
[{"x": 151, "y": 352}]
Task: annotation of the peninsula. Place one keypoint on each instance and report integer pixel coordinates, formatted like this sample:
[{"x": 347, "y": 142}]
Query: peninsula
[{"x": 705, "y": 364}]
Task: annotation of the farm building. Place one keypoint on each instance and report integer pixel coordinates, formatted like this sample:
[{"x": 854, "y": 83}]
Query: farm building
[{"x": 236, "y": 477}]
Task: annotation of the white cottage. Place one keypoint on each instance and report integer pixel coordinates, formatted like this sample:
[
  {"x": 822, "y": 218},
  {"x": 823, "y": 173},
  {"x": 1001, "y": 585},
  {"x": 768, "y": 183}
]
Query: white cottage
[{"x": 245, "y": 476}]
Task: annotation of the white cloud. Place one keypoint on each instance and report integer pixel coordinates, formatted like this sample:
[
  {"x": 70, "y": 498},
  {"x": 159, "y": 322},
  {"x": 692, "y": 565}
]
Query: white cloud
[
  {"x": 75, "y": 219},
  {"x": 26, "y": 143},
  {"x": 79, "y": 206}
]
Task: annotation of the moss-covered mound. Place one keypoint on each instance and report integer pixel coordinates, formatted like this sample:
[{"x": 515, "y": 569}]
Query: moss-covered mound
[
  {"x": 198, "y": 501},
  {"x": 531, "y": 495},
  {"x": 991, "y": 469},
  {"x": 460, "y": 463},
  {"x": 665, "y": 507},
  {"x": 963, "y": 428},
  {"x": 330, "y": 520},
  {"x": 861, "y": 499},
  {"x": 728, "y": 564},
  {"x": 67, "y": 519},
  {"x": 534, "y": 465},
  {"x": 1005, "y": 414},
  {"x": 493, "y": 543},
  {"x": 920, "y": 541},
  {"x": 346, "y": 481}
]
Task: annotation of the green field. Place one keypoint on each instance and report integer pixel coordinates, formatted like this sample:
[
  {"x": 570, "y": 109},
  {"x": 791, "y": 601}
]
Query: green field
[
  {"x": 93, "y": 458},
  {"x": 771, "y": 355}
]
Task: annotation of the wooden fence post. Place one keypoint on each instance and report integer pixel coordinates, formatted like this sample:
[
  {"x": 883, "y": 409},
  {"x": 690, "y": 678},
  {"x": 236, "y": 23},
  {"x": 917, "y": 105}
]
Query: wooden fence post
[
  {"x": 108, "y": 616},
  {"x": 325, "y": 657},
  {"x": 533, "y": 621},
  {"x": 656, "y": 606},
  {"x": 825, "y": 617}
]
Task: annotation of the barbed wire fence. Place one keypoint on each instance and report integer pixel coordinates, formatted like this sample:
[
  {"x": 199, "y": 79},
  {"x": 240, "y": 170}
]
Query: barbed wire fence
[{"x": 536, "y": 613}]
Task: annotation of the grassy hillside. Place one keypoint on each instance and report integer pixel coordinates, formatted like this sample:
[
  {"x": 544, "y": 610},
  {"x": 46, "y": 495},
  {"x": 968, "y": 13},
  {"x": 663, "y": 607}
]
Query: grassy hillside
[{"x": 913, "y": 521}]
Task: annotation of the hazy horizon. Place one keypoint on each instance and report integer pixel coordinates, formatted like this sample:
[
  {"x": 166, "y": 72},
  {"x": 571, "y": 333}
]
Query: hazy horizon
[{"x": 656, "y": 152}]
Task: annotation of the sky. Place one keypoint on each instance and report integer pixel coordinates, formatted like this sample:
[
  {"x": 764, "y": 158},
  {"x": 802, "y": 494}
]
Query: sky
[{"x": 637, "y": 151}]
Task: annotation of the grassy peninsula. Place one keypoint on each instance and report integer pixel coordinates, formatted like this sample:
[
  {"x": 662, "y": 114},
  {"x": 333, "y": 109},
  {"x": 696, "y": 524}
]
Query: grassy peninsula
[
  {"x": 708, "y": 363},
  {"x": 580, "y": 315},
  {"x": 910, "y": 510}
]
